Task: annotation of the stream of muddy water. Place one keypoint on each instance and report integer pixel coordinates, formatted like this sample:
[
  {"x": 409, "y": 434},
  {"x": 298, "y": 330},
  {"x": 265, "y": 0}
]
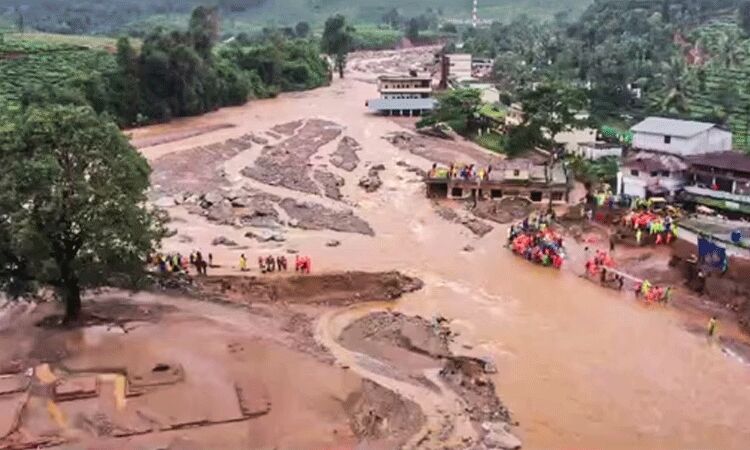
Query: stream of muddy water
[{"x": 578, "y": 366}]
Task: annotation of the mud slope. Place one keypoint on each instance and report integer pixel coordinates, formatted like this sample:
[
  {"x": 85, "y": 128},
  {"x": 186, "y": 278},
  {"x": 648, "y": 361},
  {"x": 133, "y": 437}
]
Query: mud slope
[{"x": 327, "y": 289}]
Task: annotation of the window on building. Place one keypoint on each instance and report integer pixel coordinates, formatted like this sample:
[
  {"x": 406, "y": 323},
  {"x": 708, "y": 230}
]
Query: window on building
[
  {"x": 516, "y": 172},
  {"x": 536, "y": 196},
  {"x": 457, "y": 192},
  {"x": 665, "y": 173},
  {"x": 634, "y": 173},
  {"x": 654, "y": 174},
  {"x": 496, "y": 193},
  {"x": 557, "y": 196},
  {"x": 667, "y": 139}
]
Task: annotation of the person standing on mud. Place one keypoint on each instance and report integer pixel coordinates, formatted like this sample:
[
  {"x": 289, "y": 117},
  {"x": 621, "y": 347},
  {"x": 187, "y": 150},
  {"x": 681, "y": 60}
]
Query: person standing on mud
[
  {"x": 198, "y": 262},
  {"x": 261, "y": 264},
  {"x": 713, "y": 324},
  {"x": 210, "y": 259},
  {"x": 243, "y": 263}
]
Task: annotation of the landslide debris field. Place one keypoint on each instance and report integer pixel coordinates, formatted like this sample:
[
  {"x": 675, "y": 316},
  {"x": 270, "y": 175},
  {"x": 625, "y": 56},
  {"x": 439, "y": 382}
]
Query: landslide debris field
[
  {"x": 236, "y": 182},
  {"x": 246, "y": 367}
]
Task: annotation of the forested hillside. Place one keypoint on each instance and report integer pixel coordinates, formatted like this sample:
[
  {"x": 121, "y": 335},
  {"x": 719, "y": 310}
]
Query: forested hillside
[
  {"x": 168, "y": 74},
  {"x": 681, "y": 58},
  {"x": 108, "y": 16}
]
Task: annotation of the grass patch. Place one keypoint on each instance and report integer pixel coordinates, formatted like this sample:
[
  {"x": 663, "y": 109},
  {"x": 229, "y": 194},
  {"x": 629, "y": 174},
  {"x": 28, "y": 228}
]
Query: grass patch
[
  {"x": 491, "y": 141},
  {"x": 92, "y": 42},
  {"x": 492, "y": 111}
]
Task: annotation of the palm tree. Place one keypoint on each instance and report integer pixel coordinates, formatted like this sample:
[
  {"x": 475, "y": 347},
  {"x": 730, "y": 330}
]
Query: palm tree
[
  {"x": 727, "y": 46},
  {"x": 675, "y": 78}
]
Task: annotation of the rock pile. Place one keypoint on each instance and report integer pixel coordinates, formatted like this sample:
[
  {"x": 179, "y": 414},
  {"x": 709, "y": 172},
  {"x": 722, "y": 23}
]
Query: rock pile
[
  {"x": 477, "y": 227},
  {"x": 372, "y": 181},
  {"x": 287, "y": 163},
  {"x": 312, "y": 216},
  {"x": 345, "y": 157}
]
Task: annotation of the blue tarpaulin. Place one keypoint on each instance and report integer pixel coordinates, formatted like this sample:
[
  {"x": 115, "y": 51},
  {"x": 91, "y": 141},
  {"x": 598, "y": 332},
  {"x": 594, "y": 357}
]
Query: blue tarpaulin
[{"x": 711, "y": 254}]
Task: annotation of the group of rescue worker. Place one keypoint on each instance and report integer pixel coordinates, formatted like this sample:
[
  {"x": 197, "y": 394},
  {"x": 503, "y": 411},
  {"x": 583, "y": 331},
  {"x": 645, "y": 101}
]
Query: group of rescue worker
[{"x": 176, "y": 263}]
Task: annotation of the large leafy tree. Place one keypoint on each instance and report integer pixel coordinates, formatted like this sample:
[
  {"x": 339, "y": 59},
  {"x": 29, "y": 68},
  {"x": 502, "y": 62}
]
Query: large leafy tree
[
  {"x": 73, "y": 212},
  {"x": 458, "y": 108},
  {"x": 337, "y": 41},
  {"x": 553, "y": 106},
  {"x": 204, "y": 30}
]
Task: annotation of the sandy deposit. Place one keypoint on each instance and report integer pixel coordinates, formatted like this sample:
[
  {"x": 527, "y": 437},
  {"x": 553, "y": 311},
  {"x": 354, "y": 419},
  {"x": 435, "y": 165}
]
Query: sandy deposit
[
  {"x": 418, "y": 352},
  {"x": 154, "y": 368},
  {"x": 454, "y": 213}
]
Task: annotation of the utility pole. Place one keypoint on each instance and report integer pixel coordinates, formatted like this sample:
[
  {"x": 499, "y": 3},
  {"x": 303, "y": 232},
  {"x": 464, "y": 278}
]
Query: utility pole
[{"x": 474, "y": 14}]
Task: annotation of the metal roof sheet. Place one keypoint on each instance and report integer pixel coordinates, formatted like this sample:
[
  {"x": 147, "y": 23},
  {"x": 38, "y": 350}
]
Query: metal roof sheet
[
  {"x": 380, "y": 104},
  {"x": 671, "y": 127},
  {"x": 729, "y": 160}
]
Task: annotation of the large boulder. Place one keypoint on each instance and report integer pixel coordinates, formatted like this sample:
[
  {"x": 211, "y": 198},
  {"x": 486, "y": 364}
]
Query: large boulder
[
  {"x": 221, "y": 212},
  {"x": 499, "y": 437},
  {"x": 266, "y": 236},
  {"x": 210, "y": 199},
  {"x": 222, "y": 240}
]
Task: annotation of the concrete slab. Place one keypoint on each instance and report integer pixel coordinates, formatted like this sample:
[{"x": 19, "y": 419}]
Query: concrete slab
[
  {"x": 76, "y": 387},
  {"x": 12, "y": 384},
  {"x": 11, "y": 407},
  {"x": 159, "y": 374},
  {"x": 253, "y": 398}
]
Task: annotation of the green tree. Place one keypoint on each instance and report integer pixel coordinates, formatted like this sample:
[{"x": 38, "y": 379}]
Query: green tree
[
  {"x": 458, "y": 108},
  {"x": 73, "y": 205},
  {"x": 743, "y": 16},
  {"x": 553, "y": 106},
  {"x": 302, "y": 30},
  {"x": 392, "y": 18},
  {"x": 204, "y": 30},
  {"x": 20, "y": 24},
  {"x": 412, "y": 30},
  {"x": 126, "y": 84},
  {"x": 337, "y": 41},
  {"x": 448, "y": 28}
]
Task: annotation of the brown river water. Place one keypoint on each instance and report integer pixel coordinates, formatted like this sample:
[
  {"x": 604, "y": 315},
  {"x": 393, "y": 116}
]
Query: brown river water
[{"x": 578, "y": 366}]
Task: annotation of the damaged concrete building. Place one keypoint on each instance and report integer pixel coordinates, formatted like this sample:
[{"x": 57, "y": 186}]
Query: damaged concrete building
[{"x": 510, "y": 179}]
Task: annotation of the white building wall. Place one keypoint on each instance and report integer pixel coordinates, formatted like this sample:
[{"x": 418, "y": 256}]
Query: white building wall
[
  {"x": 655, "y": 142},
  {"x": 719, "y": 140},
  {"x": 460, "y": 65},
  {"x": 594, "y": 153},
  {"x": 635, "y": 186},
  {"x": 632, "y": 186},
  {"x": 712, "y": 140}
]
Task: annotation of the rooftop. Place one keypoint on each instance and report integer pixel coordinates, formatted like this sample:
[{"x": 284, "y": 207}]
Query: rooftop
[
  {"x": 729, "y": 160},
  {"x": 401, "y": 103},
  {"x": 717, "y": 227},
  {"x": 671, "y": 127},
  {"x": 405, "y": 78},
  {"x": 653, "y": 162},
  {"x": 600, "y": 145}
]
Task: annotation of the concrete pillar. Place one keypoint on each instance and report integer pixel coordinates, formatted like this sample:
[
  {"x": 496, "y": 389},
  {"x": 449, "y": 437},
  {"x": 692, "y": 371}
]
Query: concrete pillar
[{"x": 734, "y": 187}]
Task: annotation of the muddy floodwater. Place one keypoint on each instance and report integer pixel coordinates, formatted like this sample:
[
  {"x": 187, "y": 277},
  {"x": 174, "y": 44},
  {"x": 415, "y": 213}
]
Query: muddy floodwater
[{"x": 578, "y": 366}]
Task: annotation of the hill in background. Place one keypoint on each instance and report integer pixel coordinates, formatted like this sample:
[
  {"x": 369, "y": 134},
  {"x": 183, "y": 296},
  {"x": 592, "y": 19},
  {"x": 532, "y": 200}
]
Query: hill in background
[{"x": 113, "y": 16}]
